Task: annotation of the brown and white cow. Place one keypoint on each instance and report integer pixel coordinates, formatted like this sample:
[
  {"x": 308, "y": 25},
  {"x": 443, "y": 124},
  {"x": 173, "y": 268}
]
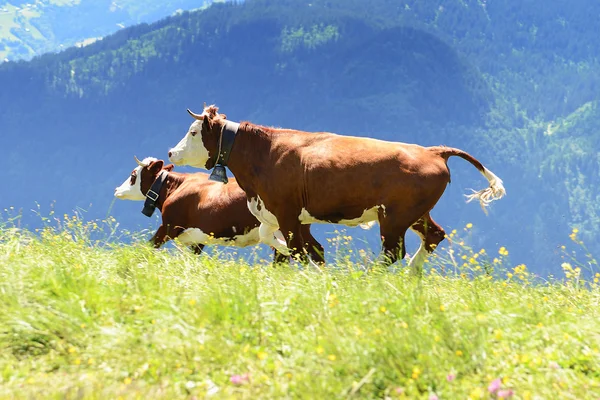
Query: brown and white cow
[
  {"x": 292, "y": 178},
  {"x": 194, "y": 209}
]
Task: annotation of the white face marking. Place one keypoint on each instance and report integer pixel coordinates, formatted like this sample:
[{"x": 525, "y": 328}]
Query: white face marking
[
  {"x": 190, "y": 150},
  {"x": 366, "y": 221},
  {"x": 127, "y": 191},
  {"x": 195, "y": 236}
]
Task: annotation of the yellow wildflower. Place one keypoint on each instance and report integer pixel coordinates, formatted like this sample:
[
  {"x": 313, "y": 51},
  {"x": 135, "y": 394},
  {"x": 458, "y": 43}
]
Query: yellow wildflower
[
  {"x": 331, "y": 357},
  {"x": 416, "y": 372},
  {"x": 320, "y": 350},
  {"x": 469, "y": 225},
  {"x": 262, "y": 355},
  {"x": 476, "y": 393},
  {"x": 127, "y": 380}
]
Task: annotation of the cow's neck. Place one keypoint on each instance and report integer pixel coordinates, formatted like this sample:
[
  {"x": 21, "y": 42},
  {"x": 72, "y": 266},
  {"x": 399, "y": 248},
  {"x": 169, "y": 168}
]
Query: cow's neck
[
  {"x": 173, "y": 181},
  {"x": 248, "y": 155}
]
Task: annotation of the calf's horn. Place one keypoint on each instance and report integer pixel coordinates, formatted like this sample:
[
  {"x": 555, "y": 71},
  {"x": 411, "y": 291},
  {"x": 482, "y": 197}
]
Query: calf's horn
[
  {"x": 196, "y": 116},
  {"x": 138, "y": 162}
]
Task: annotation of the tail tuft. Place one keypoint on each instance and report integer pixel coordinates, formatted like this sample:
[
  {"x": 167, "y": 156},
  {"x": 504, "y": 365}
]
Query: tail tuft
[{"x": 494, "y": 192}]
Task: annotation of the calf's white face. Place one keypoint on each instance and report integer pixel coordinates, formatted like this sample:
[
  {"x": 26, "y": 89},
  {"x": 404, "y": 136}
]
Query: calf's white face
[
  {"x": 131, "y": 189},
  {"x": 190, "y": 150}
]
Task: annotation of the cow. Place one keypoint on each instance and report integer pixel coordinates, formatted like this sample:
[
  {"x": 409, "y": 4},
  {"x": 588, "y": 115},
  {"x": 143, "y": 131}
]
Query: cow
[
  {"x": 194, "y": 209},
  {"x": 293, "y": 178}
]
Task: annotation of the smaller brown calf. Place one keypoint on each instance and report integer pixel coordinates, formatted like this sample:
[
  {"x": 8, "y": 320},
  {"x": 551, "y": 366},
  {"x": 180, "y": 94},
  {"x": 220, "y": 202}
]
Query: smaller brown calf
[{"x": 194, "y": 209}]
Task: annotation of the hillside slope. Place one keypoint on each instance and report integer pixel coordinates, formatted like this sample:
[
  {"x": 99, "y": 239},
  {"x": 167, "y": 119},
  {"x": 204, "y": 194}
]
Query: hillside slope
[
  {"x": 485, "y": 78},
  {"x": 29, "y": 28}
]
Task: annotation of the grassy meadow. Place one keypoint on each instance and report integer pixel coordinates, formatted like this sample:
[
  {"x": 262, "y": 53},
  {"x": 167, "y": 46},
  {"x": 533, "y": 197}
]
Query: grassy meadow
[{"x": 84, "y": 317}]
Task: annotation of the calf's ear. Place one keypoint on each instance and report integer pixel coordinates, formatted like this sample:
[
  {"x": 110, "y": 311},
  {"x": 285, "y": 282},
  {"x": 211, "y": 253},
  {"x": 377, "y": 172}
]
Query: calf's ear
[
  {"x": 156, "y": 166},
  {"x": 169, "y": 167}
]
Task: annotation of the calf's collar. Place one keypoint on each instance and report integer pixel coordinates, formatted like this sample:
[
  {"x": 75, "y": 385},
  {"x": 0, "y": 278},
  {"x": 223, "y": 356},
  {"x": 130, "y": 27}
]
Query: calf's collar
[{"x": 154, "y": 193}]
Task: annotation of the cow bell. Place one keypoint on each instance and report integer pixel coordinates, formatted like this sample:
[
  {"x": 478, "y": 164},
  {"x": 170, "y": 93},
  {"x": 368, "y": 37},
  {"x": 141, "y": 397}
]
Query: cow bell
[{"x": 219, "y": 174}]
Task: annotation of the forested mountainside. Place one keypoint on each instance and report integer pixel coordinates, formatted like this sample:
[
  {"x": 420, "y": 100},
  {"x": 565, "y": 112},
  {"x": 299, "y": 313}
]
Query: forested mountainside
[
  {"x": 512, "y": 83},
  {"x": 32, "y": 27}
]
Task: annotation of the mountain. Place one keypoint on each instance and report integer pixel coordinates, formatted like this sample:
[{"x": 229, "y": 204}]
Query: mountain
[
  {"x": 32, "y": 27},
  {"x": 513, "y": 84}
]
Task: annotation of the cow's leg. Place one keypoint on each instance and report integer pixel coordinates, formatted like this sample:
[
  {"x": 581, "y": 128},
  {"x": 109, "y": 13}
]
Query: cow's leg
[
  {"x": 197, "y": 248},
  {"x": 159, "y": 237},
  {"x": 392, "y": 228},
  {"x": 271, "y": 236},
  {"x": 292, "y": 229},
  {"x": 164, "y": 234},
  {"x": 393, "y": 244},
  {"x": 314, "y": 248},
  {"x": 431, "y": 235},
  {"x": 279, "y": 258}
]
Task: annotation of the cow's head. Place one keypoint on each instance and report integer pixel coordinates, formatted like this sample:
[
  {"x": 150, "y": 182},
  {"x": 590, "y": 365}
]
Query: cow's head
[
  {"x": 200, "y": 145},
  {"x": 139, "y": 182}
]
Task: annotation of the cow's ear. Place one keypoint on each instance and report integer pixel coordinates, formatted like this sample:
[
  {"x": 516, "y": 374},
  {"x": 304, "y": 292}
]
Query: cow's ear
[
  {"x": 156, "y": 166},
  {"x": 207, "y": 124},
  {"x": 224, "y": 116},
  {"x": 169, "y": 167}
]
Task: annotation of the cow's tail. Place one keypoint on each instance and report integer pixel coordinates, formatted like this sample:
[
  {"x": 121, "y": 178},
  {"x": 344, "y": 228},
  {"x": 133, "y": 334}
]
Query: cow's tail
[{"x": 485, "y": 196}]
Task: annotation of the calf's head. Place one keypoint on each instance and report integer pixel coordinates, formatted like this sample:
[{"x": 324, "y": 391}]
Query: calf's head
[
  {"x": 200, "y": 145},
  {"x": 139, "y": 182}
]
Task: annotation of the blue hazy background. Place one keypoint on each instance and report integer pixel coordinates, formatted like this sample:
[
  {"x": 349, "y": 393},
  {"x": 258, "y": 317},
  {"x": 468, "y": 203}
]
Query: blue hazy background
[{"x": 513, "y": 83}]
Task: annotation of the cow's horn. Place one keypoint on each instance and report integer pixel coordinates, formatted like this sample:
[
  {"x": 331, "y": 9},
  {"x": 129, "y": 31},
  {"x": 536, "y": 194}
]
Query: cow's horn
[
  {"x": 141, "y": 164},
  {"x": 197, "y": 116}
]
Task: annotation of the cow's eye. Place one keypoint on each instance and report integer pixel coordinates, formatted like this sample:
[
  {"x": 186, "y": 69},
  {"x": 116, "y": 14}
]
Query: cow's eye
[{"x": 193, "y": 133}]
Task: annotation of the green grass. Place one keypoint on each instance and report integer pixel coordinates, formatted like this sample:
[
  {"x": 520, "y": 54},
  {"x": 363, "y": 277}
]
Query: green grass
[{"x": 81, "y": 318}]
